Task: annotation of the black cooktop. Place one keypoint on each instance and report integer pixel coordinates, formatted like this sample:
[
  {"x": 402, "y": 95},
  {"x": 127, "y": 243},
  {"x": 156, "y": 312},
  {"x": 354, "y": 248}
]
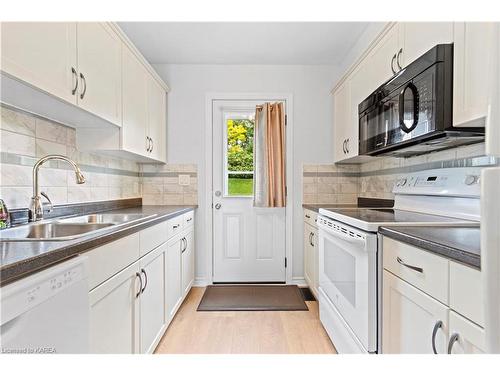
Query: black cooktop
[{"x": 389, "y": 215}]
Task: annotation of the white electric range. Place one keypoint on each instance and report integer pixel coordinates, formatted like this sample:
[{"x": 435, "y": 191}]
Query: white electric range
[{"x": 349, "y": 253}]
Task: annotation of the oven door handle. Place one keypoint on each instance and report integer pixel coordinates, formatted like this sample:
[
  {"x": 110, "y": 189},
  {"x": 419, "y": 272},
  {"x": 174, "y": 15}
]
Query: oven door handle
[{"x": 344, "y": 237}]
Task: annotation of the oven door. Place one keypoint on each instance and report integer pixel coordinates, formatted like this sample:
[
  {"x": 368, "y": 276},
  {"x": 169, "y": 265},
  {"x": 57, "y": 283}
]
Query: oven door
[{"x": 348, "y": 278}]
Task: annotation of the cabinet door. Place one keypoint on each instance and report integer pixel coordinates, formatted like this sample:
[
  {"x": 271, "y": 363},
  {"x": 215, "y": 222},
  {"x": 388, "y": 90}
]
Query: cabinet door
[
  {"x": 114, "y": 313},
  {"x": 341, "y": 120},
  {"x": 309, "y": 266},
  {"x": 157, "y": 121},
  {"x": 409, "y": 318},
  {"x": 416, "y": 38},
  {"x": 188, "y": 262},
  {"x": 470, "y": 337},
  {"x": 153, "y": 317},
  {"x": 173, "y": 266},
  {"x": 380, "y": 58},
  {"x": 471, "y": 72},
  {"x": 99, "y": 63},
  {"x": 135, "y": 107},
  {"x": 41, "y": 54}
]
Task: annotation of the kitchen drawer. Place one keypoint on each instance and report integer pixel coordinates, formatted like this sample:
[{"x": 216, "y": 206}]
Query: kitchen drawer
[
  {"x": 310, "y": 217},
  {"x": 433, "y": 279},
  {"x": 188, "y": 219},
  {"x": 466, "y": 295},
  {"x": 107, "y": 260},
  {"x": 153, "y": 237},
  {"x": 175, "y": 226}
]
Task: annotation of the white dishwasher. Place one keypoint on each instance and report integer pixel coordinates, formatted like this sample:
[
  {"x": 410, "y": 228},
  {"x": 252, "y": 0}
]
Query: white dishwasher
[{"x": 47, "y": 312}]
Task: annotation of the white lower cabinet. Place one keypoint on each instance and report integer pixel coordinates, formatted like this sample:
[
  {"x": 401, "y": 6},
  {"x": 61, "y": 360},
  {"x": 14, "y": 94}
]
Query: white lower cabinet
[
  {"x": 415, "y": 316},
  {"x": 173, "y": 268},
  {"x": 131, "y": 308},
  {"x": 409, "y": 319},
  {"x": 188, "y": 261},
  {"x": 465, "y": 336},
  {"x": 152, "y": 299},
  {"x": 114, "y": 313},
  {"x": 311, "y": 257}
]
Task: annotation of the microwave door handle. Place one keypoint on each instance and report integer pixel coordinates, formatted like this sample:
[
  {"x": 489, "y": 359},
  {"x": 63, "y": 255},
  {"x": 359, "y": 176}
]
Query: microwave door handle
[{"x": 414, "y": 90}]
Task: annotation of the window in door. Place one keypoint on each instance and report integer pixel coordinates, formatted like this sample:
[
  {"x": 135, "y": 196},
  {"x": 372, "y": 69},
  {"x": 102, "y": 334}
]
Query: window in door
[{"x": 238, "y": 161}]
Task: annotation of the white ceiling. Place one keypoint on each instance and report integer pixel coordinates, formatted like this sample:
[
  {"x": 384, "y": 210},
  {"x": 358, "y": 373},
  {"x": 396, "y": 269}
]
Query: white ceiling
[{"x": 314, "y": 43}]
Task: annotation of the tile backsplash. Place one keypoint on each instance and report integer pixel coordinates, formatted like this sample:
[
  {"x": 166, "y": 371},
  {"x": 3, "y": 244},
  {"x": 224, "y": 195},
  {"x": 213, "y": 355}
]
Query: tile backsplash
[
  {"x": 24, "y": 138},
  {"x": 340, "y": 184}
]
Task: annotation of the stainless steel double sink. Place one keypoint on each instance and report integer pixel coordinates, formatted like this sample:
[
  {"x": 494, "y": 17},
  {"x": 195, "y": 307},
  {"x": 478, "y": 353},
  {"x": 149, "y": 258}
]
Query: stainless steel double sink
[{"x": 68, "y": 228}]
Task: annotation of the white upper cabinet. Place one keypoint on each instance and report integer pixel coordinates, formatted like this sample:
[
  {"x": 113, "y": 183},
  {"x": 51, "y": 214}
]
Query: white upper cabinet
[
  {"x": 157, "y": 104},
  {"x": 135, "y": 104},
  {"x": 90, "y": 76},
  {"x": 341, "y": 120},
  {"x": 42, "y": 54},
  {"x": 382, "y": 60},
  {"x": 472, "y": 72},
  {"x": 99, "y": 71},
  {"x": 416, "y": 38}
]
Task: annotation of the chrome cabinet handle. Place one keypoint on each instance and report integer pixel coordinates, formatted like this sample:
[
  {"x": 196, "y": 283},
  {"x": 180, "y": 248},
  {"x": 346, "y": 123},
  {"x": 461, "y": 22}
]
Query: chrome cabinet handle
[
  {"x": 184, "y": 241},
  {"x": 414, "y": 268},
  {"x": 147, "y": 144},
  {"x": 439, "y": 324},
  {"x": 311, "y": 239},
  {"x": 453, "y": 339},
  {"x": 307, "y": 216},
  {"x": 176, "y": 226},
  {"x": 84, "y": 81},
  {"x": 397, "y": 58},
  {"x": 75, "y": 74},
  {"x": 188, "y": 220},
  {"x": 152, "y": 144},
  {"x": 218, "y": 206},
  {"x": 143, "y": 271},
  {"x": 137, "y": 274},
  {"x": 344, "y": 147},
  {"x": 347, "y": 145},
  {"x": 392, "y": 64}
]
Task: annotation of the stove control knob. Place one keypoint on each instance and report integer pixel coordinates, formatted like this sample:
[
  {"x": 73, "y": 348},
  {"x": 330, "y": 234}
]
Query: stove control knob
[
  {"x": 402, "y": 182},
  {"x": 471, "y": 179}
]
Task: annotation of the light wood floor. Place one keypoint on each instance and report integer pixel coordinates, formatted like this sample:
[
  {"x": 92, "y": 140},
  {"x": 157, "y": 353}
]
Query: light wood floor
[{"x": 244, "y": 332}]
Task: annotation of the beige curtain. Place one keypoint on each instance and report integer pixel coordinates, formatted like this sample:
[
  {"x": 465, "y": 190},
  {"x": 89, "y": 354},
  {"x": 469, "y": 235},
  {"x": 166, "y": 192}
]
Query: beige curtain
[{"x": 269, "y": 156}]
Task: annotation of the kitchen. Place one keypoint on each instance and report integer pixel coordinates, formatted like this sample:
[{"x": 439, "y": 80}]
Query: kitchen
[{"x": 180, "y": 188}]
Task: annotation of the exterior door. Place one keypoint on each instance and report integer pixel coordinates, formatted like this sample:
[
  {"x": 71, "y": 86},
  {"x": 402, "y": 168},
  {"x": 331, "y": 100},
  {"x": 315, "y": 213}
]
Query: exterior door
[{"x": 249, "y": 242}]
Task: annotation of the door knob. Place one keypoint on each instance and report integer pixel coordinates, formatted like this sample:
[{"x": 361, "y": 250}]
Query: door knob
[
  {"x": 218, "y": 193},
  {"x": 218, "y": 206}
]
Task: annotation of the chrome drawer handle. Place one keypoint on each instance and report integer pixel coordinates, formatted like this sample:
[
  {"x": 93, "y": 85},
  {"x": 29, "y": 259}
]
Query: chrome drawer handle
[
  {"x": 176, "y": 226},
  {"x": 307, "y": 216},
  {"x": 188, "y": 220},
  {"x": 146, "y": 280},
  {"x": 414, "y": 268},
  {"x": 438, "y": 325}
]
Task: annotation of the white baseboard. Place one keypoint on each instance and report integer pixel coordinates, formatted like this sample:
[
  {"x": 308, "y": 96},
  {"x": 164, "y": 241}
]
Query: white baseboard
[
  {"x": 300, "y": 281},
  {"x": 200, "y": 282}
]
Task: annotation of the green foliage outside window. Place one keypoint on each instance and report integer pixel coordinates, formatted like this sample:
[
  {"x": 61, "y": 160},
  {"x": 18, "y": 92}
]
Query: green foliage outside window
[{"x": 240, "y": 145}]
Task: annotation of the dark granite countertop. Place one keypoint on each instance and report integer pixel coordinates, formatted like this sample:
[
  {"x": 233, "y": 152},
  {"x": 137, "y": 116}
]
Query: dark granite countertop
[
  {"x": 19, "y": 259},
  {"x": 461, "y": 244}
]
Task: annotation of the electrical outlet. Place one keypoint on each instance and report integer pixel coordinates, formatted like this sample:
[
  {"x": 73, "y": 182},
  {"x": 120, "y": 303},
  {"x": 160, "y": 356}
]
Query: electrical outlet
[{"x": 184, "y": 179}]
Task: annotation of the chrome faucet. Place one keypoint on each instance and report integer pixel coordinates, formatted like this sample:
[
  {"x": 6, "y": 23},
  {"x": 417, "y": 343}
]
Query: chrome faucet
[{"x": 36, "y": 206}]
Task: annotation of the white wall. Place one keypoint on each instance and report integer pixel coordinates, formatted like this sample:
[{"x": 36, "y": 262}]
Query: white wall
[{"x": 312, "y": 121}]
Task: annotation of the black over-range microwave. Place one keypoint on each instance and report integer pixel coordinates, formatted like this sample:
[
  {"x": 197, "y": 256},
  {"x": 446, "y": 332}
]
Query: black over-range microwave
[{"x": 412, "y": 113}]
